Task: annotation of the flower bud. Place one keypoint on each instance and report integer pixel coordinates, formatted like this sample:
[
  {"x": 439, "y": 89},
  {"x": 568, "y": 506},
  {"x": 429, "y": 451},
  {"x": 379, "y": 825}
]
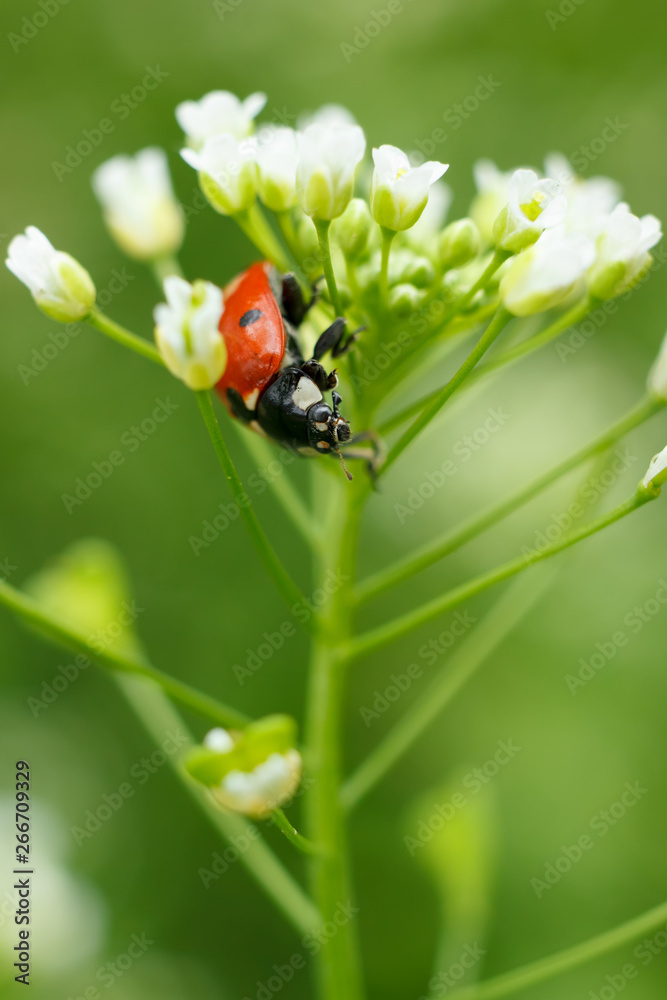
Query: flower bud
[
  {"x": 657, "y": 377},
  {"x": 328, "y": 161},
  {"x": 60, "y": 286},
  {"x": 458, "y": 244},
  {"x": 227, "y": 172},
  {"x": 277, "y": 159},
  {"x": 623, "y": 252},
  {"x": 352, "y": 228},
  {"x": 187, "y": 332},
  {"x": 216, "y": 113},
  {"x": 251, "y": 772},
  {"x": 140, "y": 209},
  {"x": 399, "y": 192},
  {"x": 543, "y": 275},
  {"x": 656, "y": 474},
  {"x": 418, "y": 271},
  {"x": 404, "y": 299},
  {"x": 534, "y": 205},
  {"x": 492, "y": 194}
]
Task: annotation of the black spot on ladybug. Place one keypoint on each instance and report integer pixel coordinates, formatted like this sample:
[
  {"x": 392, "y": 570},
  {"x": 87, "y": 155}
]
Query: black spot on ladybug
[{"x": 251, "y": 316}]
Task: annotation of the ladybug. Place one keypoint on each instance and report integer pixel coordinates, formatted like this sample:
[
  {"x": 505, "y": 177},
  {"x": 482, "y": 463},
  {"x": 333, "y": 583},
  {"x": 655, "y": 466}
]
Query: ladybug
[{"x": 267, "y": 383}]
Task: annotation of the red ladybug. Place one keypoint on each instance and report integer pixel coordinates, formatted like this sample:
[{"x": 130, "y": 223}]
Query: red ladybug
[{"x": 267, "y": 383}]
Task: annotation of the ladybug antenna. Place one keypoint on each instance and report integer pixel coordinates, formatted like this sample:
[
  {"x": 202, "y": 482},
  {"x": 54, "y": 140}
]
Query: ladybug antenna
[{"x": 345, "y": 470}]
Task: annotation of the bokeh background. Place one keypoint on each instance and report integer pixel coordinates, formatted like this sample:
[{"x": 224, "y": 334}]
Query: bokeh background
[{"x": 561, "y": 77}]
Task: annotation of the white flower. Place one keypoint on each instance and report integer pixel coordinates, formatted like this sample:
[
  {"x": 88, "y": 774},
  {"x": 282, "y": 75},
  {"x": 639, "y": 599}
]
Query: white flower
[
  {"x": 328, "y": 160},
  {"x": 546, "y": 272},
  {"x": 277, "y": 159},
  {"x": 399, "y": 192},
  {"x": 623, "y": 252},
  {"x": 534, "y": 204},
  {"x": 432, "y": 219},
  {"x": 328, "y": 115},
  {"x": 60, "y": 286},
  {"x": 492, "y": 195},
  {"x": 187, "y": 332},
  {"x": 219, "y": 740},
  {"x": 262, "y": 789},
  {"x": 657, "y": 377},
  {"x": 218, "y": 112},
  {"x": 227, "y": 172},
  {"x": 656, "y": 474},
  {"x": 139, "y": 204},
  {"x": 589, "y": 202}
]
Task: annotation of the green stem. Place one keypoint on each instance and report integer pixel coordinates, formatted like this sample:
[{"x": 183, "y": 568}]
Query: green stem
[
  {"x": 166, "y": 267},
  {"x": 387, "y": 240},
  {"x": 158, "y": 716},
  {"x": 499, "y": 258},
  {"x": 60, "y": 633},
  {"x": 322, "y": 226},
  {"x": 253, "y": 223},
  {"x": 338, "y": 968},
  {"x": 123, "y": 336},
  {"x": 497, "y": 324},
  {"x": 378, "y": 637},
  {"x": 564, "y": 961},
  {"x": 438, "y": 548},
  {"x": 504, "y": 616},
  {"x": 503, "y": 358},
  {"x": 280, "y": 820},
  {"x": 287, "y": 229},
  {"x": 272, "y": 562}
]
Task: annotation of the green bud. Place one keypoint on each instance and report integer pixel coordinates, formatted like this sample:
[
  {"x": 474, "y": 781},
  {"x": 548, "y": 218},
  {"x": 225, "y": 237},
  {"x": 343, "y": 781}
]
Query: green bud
[
  {"x": 404, "y": 299},
  {"x": 351, "y": 230},
  {"x": 459, "y": 243},
  {"x": 418, "y": 271},
  {"x": 252, "y": 746}
]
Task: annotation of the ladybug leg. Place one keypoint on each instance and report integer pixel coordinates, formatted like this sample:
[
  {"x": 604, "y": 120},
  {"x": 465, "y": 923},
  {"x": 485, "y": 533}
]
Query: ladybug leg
[
  {"x": 373, "y": 454},
  {"x": 336, "y": 339},
  {"x": 294, "y": 307}
]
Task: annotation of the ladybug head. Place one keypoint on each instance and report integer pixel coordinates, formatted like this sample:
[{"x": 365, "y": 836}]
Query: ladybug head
[{"x": 327, "y": 429}]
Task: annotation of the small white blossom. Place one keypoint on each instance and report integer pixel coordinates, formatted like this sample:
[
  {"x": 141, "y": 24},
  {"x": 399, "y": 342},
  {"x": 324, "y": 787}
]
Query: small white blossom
[
  {"x": 262, "y": 789},
  {"x": 657, "y": 377},
  {"x": 492, "y": 195},
  {"x": 139, "y": 204},
  {"x": 399, "y": 192},
  {"x": 432, "y": 219},
  {"x": 60, "y": 286},
  {"x": 219, "y": 740},
  {"x": 187, "y": 332},
  {"x": 656, "y": 474},
  {"x": 277, "y": 160},
  {"x": 590, "y": 201},
  {"x": 623, "y": 252},
  {"x": 546, "y": 272},
  {"x": 328, "y": 115},
  {"x": 216, "y": 113},
  {"x": 534, "y": 204},
  {"x": 227, "y": 172},
  {"x": 328, "y": 160}
]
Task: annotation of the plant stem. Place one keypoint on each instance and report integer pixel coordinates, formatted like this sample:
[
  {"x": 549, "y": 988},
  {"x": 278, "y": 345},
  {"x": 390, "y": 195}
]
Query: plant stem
[
  {"x": 387, "y": 240},
  {"x": 322, "y": 226},
  {"x": 277, "y": 571},
  {"x": 499, "y": 257},
  {"x": 123, "y": 336},
  {"x": 564, "y": 961},
  {"x": 158, "y": 716},
  {"x": 376, "y": 638},
  {"x": 503, "y": 617},
  {"x": 279, "y": 819},
  {"x": 497, "y": 324},
  {"x": 287, "y": 229},
  {"x": 338, "y": 971},
  {"x": 438, "y": 548},
  {"x": 253, "y": 223},
  {"x": 60, "y": 633},
  {"x": 165, "y": 267}
]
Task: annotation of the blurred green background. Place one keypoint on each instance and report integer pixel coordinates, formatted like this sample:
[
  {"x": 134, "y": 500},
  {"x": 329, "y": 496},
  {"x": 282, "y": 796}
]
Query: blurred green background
[{"x": 560, "y": 79}]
